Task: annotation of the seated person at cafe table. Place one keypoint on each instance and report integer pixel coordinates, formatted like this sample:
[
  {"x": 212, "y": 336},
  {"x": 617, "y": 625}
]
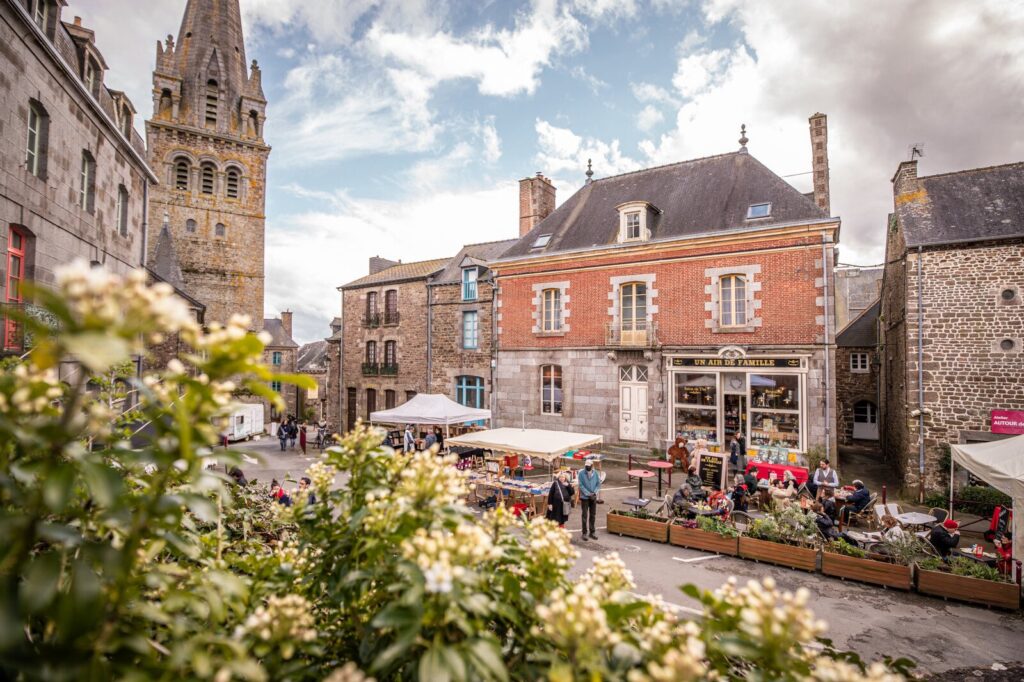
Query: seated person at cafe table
[
  {"x": 824, "y": 478},
  {"x": 891, "y": 529},
  {"x": 681, "y": 500},
  {"x": 945, "y": 537},
  {"x": 828, "y": 503},
  {"x": 856, "y": 501},
  {"x": 828, "y": 527},
  {"x": 751, "y": 479},
  {"x": 693, "y": 479},
  {"x": 1004, "y": 550}
]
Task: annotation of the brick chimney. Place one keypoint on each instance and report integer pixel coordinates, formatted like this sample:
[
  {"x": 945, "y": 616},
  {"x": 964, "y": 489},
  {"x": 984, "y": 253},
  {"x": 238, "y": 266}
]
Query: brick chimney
[
  {"x": 819, "y": 158},
  {"x": 377, "y": 264},
  {"x": 536, "y": 201},
  {"x": 286, "y": 322},
  {"x": 905, "y": 179}
]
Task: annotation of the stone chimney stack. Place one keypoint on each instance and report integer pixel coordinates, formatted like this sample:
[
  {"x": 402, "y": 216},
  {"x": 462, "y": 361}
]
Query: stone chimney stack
[
  {"x": 377, "y": 264},
  {"x": 536, "y": 201},
  {"x": 286, "y": 322},
  {"x": 905, "y": 179},
  {"x": 819, "y": 157}
]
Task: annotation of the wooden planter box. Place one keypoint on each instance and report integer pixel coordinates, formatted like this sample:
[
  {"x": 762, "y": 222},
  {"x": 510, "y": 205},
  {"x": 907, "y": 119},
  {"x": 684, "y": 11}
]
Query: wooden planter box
[
  {"x": 695, "y": 538},
  {"x": 987, "y": 592},
  {"x": 867, "y": 570},
  {"x": 655, "y": 529},
  {"x": 803, "y": 558}
]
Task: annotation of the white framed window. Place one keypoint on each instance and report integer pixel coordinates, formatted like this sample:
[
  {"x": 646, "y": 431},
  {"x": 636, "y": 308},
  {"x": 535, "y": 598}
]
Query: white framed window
[
  {"x": 762, "y": 210},
  {"x": 633, "y": 313},
  {"x": 732, "y": 300},
  {"x": 469, "y": 277},
  {"x": 633, "y": 225},
  {"x": 551, "y": 310},
  {"x": 551, "y": 389},
  {"x": 90, "y": 76},
  {"x": 859, "y": 362},
  {"x": 40, "y": 14},
  {"x": 634, "y": 217},
  {"x": 87, "y": 180},
  {"x": 541, "y": 241},
  {"x": 470, "y": 330},
  {"x": 122, "y": 210},
  {"x": 36, "y": 139}
]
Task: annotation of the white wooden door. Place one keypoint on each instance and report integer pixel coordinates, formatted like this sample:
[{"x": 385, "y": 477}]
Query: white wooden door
[
  {"x": 865, "y": 421},
  {"x": 633, "y": 403}
]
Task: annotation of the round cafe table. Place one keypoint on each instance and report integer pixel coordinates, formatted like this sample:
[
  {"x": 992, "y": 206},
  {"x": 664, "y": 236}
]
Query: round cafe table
[
  {"x": 661, "y": 465},
  {"x": 916, "y": 519},
  {"x": 640, "y": 474}
]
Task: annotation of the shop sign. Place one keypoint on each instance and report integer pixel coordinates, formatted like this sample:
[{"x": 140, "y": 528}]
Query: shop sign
[
  {"x": 1008, "y": 421},
  {"x": 712, "y": 469},
  {"x": 750, "y": 363}
]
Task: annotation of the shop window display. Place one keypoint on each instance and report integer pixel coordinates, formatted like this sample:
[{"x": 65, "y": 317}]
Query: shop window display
[
  {"x": 697, "y": 406},
  {"x": 775, "y": 416},
  {"x": 692, "y": 424}
]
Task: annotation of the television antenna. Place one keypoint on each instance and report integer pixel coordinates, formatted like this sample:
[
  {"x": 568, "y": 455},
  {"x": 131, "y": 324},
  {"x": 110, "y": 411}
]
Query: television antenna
[{"x": 915, "y": 150}]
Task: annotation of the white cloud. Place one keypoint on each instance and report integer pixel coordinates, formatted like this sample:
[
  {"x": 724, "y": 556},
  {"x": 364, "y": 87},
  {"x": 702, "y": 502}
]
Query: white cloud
[
  {"x": 310, "y": 254},
  {"x": 606, "y": 10},
  {"x": 335, "y": 23},
  {"x": 648, "y": 92},
  {"x": 562, "y": 150},
  {"x": 649, "y": 117}
]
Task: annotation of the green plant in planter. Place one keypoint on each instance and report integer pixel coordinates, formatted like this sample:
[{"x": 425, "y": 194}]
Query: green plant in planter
[
  {"x": 845, "y": 548},
  {"x": 637, "y": 514},
  {"x": 712, "y": 524},
  {"x": 904, "y": 550},
  {"x": 967, "y": 568},
  {"x": 788, "y": 526}
]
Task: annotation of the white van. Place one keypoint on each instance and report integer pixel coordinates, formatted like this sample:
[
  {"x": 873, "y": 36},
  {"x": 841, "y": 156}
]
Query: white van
[{"x": 246, "y": 421}]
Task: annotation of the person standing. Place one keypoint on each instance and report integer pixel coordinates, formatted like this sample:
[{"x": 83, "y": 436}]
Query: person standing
[
  {"x": 302, "y": 437},
  {"x": 409, "y": 440},
  {"x": 430, "y": 440},
  {"x": 824, "y": 477},
  {"x": 589, "y": 481},
  {"x": 282, "y": 435},
  {"x": 293, "y": 432},
  {"x": 560, "y": 500}
]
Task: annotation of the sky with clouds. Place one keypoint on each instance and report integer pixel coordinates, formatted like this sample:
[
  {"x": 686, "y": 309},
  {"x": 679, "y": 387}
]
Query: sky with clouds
[{"x": 400, "y": 127}]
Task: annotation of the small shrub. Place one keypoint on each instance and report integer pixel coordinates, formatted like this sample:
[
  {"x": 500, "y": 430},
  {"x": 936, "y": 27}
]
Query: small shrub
[
  {"x": 711, "y": 524},
  {"x": 962, "y": 566},
  {"x": 789, "y": 526},
  {"x": 845, "y": 548},
  {"x": 906, "y": 550}
]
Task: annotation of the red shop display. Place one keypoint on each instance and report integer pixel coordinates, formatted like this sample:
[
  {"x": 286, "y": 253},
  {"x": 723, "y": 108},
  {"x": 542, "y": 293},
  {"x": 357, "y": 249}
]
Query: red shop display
[{"x": 765, "y": 470}]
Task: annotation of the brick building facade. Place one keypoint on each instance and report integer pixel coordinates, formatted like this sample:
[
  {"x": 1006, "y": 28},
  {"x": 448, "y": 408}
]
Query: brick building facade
[
  {"x": 73, "y": 171},
  {"x": 206, "y": 145},
  {"x": 955, "y": 242},
  {"x": 462, "y": 326},
  {"x": 857, "y": 369},
  {"x": 384, "y": 340},
  {"x": 692, "y": 299}
]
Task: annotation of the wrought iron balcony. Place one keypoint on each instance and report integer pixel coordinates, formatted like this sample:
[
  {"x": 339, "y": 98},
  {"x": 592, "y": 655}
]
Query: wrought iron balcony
[
  {"x": 643, "y": 334},
  {"x": 390, "y": 318},
  {"x": 371, "y": 320},
  {"x": 371, "y": 369},
  {"x": 389, "y": 370}
]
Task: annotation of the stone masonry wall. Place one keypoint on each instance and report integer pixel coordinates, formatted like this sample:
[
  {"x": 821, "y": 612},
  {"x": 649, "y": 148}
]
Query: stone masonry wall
[
  {"x": 410, "y": 334},
  {"x": 449, "y": 359},
  {"x": 335, "y": 417},
  {"x": 852, "y": 387}
]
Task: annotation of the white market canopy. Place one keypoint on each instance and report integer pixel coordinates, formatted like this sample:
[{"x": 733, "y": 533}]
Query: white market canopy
[
  {"x": 546, "y": 445},
  {"x": 999, "y": 463},
  {"x": 425, "y": 408}
]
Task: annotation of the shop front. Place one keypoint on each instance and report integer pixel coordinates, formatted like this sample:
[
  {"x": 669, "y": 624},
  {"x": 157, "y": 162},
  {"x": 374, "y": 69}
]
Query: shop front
[{"x": 763, "y": 398}]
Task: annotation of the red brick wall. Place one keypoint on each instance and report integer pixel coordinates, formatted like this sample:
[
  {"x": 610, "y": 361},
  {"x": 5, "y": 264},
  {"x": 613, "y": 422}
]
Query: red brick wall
[{"x": 789, "y": 294}]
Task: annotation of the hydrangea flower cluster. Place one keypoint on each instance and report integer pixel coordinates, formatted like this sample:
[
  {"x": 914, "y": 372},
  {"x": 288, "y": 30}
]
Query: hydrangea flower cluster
[
  {"x": 322, "y": 477},
  {"x": 32, "y": 394},
  {"x": 283, "y": 619},
  {"x": 445, "y": 557},
  {"x": 769, "y": 616}
]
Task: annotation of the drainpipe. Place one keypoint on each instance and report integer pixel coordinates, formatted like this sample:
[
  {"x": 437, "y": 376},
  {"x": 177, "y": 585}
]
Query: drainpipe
[
  {"x": 145, "y": 222},
  {"x": 493, "y": 361},
  {"x": 920, "y": 377},
  {"x": 430, "y": 325},
  {"x": 828, "y": 367}
]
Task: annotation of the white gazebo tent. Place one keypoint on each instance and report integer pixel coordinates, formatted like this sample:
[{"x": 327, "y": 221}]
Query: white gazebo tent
[
  {"x": 999, "y": 463},
  {"x": 537, "y": 443},
  {"x": 427, "y": 408}
]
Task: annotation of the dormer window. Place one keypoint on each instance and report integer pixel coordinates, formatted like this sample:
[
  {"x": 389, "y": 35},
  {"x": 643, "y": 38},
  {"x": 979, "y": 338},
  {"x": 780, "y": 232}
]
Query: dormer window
[
  {"x": 762, "y": 210},
  {"x": 541, "y": 241},
  {"x": 469, "y": 277},
  {"x": 90, "y": 77},
  {"x": 634, "y": 222},
  {"x": 40, "y": 15}
]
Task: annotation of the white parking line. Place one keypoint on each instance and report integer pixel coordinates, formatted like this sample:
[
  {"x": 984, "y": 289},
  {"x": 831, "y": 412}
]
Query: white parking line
[{"x": 698, "y": 558}]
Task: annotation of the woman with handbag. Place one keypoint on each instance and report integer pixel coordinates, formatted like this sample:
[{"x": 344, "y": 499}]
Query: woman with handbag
[{"x": 560, "y": 500}]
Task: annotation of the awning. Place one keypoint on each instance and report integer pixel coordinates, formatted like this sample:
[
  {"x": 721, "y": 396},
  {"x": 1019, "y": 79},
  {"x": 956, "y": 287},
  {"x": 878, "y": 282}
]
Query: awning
[
  {"x": 430, "y": 409},
  {"x": 546, "y": 445},
  {"x": 999, "y": 463}
]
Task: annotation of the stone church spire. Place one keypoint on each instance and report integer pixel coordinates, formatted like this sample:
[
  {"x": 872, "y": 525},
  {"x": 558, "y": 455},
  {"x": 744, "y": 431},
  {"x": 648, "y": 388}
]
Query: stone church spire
[{"x": 206, "y": 143}]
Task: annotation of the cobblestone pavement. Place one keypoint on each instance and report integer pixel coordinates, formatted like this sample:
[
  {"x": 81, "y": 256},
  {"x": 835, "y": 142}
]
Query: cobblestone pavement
[{"x": 874, "y": 622}]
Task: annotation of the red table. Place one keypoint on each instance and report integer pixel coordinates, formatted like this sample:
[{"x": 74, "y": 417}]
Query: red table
[
  {"x": 641, "y": 474},
  {"x": 661, "y": 464},
  {"x": 764, "y": 470}
]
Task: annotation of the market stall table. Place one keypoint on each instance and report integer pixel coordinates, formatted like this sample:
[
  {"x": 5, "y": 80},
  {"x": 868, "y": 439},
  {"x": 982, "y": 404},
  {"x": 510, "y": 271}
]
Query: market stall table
[
  {"x": 510, "y": 489},
  {"x": 641, "y": 474},
  {"x": 765, "y": 469},
  {"x": 661, "y": 465}
]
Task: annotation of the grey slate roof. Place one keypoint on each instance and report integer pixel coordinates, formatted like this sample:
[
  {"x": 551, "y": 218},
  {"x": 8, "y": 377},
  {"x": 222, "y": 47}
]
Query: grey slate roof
[
  {"x": 312, "y": 357},
  {"x": 710, "y": 194},
  {"x": 400, "y": 273},
  {"x": 481, "y": 253},
  {"x": 279, "y": 338},
  {"x": 970, "y": 205},
  {"x": 862, "y": 331},
  {"x": 165, "y": 260}
]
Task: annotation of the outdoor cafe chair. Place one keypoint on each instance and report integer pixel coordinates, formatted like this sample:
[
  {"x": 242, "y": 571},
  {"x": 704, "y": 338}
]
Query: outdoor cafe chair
[
  {"x": 892, "y": 509},
  {"x": 939, "y": 514},
  {"x": 867, "y": 515},
  {"x": 741, "y": 520}
]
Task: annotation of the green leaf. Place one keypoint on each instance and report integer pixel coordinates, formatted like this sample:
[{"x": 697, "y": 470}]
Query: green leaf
[
  {"x": 433, "y": 666},
  {"x": 390, "y": 655},
  {"x": 96, "y": 350},
  {"x": 104, "y": 483},
  {"x": 488, "y": 660},
  {"x": 41, "y": 582},
  {"x": 58, "y": 487}
]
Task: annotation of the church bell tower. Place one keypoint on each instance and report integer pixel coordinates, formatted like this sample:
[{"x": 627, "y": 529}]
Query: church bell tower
[{"x": 206, "y": 145}]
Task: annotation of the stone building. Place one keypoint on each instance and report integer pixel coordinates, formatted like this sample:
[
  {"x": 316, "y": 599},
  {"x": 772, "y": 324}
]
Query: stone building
[
  {"x": 334, "y": 378},
  {"x": 280, "y": 355},
  {"x": 73, "y": 170},
  {"x": 693, "y": 298},
  {"x": 857, "y": 369},
  {"x": 206, "y": 146},
  {"x": 384, "y": 337},
  {"x": 312, "y": 360},
  {"x": 952, "y": 312},
  {"x": 857, "y": 288},
  {"x": 461, "y": 325}
]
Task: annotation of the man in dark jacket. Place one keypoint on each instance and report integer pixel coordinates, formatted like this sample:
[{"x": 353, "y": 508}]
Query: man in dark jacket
[
  {"x": 857, "y": 501},
  {"x": 945, "y": 537},
  {"x": 751, "y": 480}
]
